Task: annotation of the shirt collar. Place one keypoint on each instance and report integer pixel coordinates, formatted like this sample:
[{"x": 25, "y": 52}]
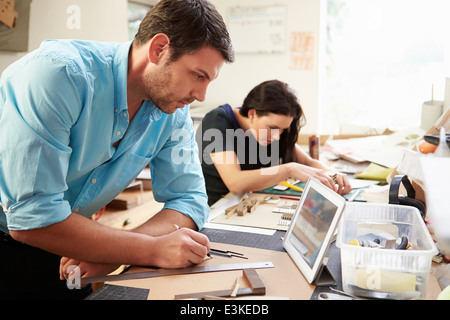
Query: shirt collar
[
  {"x": 121, "y": 72},
  {"x": 155, "y": 112},
  {"x": 120, "y": 69}
]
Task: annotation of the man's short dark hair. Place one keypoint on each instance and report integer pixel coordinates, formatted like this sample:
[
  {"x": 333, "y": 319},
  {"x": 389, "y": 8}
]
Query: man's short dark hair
[{"x": 190, "y": 26}]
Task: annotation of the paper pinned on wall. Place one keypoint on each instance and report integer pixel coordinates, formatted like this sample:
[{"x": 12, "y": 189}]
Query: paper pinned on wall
[
  {"x": 301, "y": 49},
  {"x": 14, "y": 25},
  {"x": 7, "y": 13}
]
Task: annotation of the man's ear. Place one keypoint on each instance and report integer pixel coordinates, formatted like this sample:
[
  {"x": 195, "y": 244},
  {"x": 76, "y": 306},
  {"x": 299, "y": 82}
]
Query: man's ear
[{"x": 158, "y": 48}]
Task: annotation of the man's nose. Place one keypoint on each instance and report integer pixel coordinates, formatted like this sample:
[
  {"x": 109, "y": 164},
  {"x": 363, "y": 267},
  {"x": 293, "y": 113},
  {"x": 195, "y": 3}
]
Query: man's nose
[{"x": 199, "y": 92}]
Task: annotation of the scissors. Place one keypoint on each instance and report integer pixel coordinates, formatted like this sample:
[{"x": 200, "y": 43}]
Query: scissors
[
  {"x": 333, "y": 296},
  {"x": 338, "y": 295}
]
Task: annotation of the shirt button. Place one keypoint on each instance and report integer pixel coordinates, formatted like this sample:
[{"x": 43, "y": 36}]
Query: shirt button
[
  {"x": 118, "y": 133},
  {"x": 125, "y": 114},
  {"x": 94, "y": 181},
  {"x": 116, "y": 110},
  {"x": 76, "y": 209}
]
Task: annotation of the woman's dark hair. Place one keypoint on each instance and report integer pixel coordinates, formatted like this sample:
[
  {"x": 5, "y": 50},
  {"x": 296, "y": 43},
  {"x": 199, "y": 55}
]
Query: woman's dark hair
[
  {"x": 277, "y": 97},
  {"x": 190, "y": 26}
]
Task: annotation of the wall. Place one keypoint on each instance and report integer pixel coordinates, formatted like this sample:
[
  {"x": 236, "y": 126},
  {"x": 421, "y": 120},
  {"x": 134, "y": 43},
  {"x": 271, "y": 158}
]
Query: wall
[
  {"x": 237, "y": 79},
  {"x": 106, "y": 20},
  {"x": 103, "y": 20}
]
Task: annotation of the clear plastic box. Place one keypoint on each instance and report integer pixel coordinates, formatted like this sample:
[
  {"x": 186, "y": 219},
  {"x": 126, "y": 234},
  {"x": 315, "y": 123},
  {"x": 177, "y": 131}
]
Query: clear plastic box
[{"x": 380, "y": 272}]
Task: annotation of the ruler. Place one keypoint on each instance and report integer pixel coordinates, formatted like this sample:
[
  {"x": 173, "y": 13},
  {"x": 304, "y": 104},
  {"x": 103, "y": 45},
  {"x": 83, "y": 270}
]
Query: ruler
[{"x": 180, "y": 271}]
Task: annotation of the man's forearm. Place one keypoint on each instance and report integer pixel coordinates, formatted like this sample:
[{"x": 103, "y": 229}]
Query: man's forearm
[
  {"x": 163, "y": 223},
  {"x": 83, "y": 239}
]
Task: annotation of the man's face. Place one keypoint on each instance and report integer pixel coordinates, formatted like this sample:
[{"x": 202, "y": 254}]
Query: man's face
[{"x": 178, "y": 83}]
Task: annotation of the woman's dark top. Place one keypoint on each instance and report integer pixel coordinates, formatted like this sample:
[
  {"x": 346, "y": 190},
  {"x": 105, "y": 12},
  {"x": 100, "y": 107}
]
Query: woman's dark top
[{"x": 220, "y": 131}]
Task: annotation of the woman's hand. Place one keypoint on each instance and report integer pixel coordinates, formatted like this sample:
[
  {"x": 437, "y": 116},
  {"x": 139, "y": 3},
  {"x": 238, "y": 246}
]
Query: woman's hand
[
  {"x": 302, "y": 172},
  {"x": 343, "y": 184}
]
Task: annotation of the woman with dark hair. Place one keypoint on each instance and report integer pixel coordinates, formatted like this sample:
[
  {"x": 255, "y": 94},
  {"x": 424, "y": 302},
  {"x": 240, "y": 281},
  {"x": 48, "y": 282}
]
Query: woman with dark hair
[{"x": 254, "y": 147}]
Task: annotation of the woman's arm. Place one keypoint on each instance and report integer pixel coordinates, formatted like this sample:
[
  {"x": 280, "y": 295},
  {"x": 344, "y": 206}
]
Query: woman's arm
[
  {"x": 342, "y": 185},
  {"x": 240, "y": 181}
]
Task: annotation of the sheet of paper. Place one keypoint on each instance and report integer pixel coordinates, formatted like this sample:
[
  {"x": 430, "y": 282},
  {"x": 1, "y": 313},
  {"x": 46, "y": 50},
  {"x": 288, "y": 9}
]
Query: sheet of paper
[
  {"x": 385, "y": 150},
  {"x": 228, "y": 201},
  {"x": 436, "y": 173},
  {"x": 361, "y": 183},
  {"x": 220, "y": 226},
  {"x": 264, "y": 216}
]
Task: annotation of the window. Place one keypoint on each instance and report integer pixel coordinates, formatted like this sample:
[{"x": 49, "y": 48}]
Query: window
[
  {"x": 383, "y": 59},
  {"x": 136, "y": 13}
]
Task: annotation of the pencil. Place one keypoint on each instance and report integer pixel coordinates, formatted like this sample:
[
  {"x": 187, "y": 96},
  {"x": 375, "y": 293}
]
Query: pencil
[
  {"x": 177, "y": 227},
  {"x": 291, "y": 186}
]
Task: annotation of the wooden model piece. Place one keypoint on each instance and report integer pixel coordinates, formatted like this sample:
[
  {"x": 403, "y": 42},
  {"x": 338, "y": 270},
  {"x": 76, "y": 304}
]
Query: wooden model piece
[{"x": 244, "y": 207}]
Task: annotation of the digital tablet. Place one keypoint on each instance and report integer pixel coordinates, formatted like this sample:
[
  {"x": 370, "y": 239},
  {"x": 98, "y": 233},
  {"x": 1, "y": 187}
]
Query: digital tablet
[{"x": 312, "y": 227}]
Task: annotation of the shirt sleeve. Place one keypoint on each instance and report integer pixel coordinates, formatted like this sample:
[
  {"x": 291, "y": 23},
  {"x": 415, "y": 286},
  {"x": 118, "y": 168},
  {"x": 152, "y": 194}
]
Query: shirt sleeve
[
  {"x": 39, "y": 103},
  {"x": 177, "y": 176}
]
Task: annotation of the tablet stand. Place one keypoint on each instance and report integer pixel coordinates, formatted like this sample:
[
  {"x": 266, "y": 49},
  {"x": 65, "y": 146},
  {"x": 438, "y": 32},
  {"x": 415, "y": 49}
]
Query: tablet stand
[{"x": 324, "y": 277}]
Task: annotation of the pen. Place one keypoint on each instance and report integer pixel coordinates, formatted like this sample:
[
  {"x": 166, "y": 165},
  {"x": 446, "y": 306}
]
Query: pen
[
  {"x": 291, "y": 186},
  {"x": 177, "y": 227}
]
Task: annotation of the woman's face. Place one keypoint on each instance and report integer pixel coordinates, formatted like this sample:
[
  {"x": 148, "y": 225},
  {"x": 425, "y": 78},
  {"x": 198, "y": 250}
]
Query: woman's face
[{"x": 269, "y": 127}]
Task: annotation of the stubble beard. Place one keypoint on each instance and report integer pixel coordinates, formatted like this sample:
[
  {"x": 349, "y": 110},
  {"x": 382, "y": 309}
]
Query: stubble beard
[{"x": 160, "y": 89}]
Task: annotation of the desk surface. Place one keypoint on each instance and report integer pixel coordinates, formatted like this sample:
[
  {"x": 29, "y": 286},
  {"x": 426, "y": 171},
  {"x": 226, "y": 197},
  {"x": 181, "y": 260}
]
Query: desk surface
[{"x": 283, "y": 281}]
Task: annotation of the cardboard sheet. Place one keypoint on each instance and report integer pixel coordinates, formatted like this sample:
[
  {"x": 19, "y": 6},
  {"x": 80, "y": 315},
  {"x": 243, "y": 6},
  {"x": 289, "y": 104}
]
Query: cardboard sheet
[
  {"x": 262, "y": 217},
  {"x": 283, "y": 281}
]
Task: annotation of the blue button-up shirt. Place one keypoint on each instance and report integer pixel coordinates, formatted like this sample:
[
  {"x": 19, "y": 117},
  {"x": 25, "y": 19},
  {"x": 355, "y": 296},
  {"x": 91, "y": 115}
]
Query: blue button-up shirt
[{"x": 62, "y": 109}]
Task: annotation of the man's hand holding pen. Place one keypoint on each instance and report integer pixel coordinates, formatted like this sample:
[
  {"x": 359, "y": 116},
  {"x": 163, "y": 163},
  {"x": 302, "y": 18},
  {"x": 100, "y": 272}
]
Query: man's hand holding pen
[{"x": 182, "y": 248}]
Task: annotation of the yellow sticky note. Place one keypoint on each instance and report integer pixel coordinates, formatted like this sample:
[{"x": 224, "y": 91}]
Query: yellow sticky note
[{"x": 375, "y": 172}]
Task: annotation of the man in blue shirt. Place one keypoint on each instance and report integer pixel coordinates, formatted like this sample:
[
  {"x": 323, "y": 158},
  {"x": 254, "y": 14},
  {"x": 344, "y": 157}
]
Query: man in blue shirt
[{"x": 79, "y": 121}]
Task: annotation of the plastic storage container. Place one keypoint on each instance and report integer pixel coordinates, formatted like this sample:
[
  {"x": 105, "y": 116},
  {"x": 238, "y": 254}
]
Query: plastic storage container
[{"x": 380, "y": 272}]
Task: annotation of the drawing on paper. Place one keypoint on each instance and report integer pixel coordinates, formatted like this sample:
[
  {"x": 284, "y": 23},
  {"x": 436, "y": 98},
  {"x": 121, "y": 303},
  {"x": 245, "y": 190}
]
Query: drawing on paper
[{"x": 301, "y": 51}]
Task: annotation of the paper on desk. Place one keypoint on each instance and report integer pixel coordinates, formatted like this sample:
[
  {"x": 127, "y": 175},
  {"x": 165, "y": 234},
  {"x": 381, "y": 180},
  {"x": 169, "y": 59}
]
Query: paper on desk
[
  {"x": 218, "y": 209},
  {"x": 348, "y": 167},
  {"x": 436, "y": 174},
  {"x": 228, "y": 201},
  {"x": 375, "y": 172},
  {"x": 229, "y": 227},
  {"x": 362, "y": 183},
  {"x": 385, "y": 150}
]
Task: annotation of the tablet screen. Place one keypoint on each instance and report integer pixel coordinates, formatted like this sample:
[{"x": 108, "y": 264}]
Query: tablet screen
[
  {"x": 312, "y": 227},
  {"x": 312, "y": 224}
]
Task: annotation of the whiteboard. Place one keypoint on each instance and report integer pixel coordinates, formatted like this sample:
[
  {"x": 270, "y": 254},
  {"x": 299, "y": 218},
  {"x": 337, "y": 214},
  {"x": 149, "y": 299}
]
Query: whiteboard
[{"x": 258, "y": 29}]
